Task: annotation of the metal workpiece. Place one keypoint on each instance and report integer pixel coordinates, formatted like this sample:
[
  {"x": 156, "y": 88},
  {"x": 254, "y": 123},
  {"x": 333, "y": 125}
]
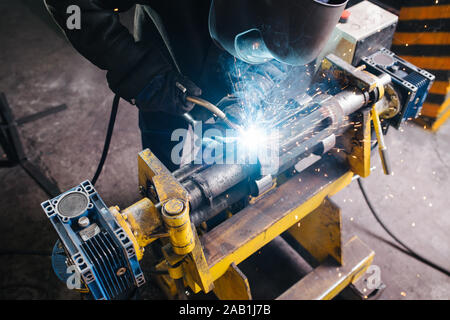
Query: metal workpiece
[
  {"x": 326, "y": 144},
  {"x": 206, "y": 185},
  {"x": 264, "y": 184},
  {"x": 313, "y": 127},
  {"x": 175, "y": 214},
  {"x": 188, "y": 170},
  {"x": 313, "y": 131},
  {"x": 351, "y": 100},
  {"x": 220, "y": 203}
]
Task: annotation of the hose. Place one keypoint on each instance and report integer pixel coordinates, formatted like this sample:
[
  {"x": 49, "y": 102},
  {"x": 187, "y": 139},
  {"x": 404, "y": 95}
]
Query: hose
[
  {"x": 410, "y": 252},
  {"x": 214, "y": 109},
  {"x": 109, "y": 133}
]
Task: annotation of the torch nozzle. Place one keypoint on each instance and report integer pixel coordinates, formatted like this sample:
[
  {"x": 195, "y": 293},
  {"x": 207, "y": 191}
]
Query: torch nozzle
[{"x": 214, "y": 109}]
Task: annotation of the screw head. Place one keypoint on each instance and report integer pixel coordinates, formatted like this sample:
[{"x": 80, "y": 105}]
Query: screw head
[
  {"x": 121, "y": 271},
  {"x": 174, "y": 206},
  {"x": 83, "y": 222}
]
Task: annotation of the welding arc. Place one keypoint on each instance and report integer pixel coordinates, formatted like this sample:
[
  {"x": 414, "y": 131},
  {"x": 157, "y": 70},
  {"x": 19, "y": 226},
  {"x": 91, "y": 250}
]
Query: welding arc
[
  {"x": 409, "y": 251},
  {"x": 109, "y": 133}
]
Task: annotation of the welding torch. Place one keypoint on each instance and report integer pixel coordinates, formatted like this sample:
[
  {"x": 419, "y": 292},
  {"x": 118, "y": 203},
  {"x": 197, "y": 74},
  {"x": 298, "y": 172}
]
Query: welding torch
[
  {"x": 207, "y": 105},
  {"x": 214, "y": 109}
]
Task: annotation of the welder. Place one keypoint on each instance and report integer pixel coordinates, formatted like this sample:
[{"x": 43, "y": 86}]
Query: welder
[{"x": 179, "y": 47}]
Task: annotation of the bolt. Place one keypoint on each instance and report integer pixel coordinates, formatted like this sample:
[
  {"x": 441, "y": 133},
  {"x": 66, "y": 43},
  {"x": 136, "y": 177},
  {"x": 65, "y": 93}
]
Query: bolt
[
  {"x": 174, "y": 206},
  {"x": 83, "y": 222},
  {"x": 121, "y": 271}
]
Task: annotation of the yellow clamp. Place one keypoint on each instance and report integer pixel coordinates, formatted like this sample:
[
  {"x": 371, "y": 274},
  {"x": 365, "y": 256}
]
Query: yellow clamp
[{"x": 175, "y": 214}]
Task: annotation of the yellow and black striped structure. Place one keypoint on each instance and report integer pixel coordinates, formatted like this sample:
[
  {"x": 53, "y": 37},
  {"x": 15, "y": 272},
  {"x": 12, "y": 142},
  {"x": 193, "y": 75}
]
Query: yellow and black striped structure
[{"x": 423, "y": 39}]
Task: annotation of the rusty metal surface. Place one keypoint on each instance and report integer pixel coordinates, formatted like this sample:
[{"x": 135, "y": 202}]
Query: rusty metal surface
[
  {"x": 144, "y": 220},
  {"x": 327, "y": 280},
  {"x": 334, "y": 67},
  {"x": 257, "y": 219},
  {"x": 196, "y": 268},
  {"x": 320, "y": 232},
  {"x": 359, "y": 158},
  {"x": 233, "y": 285}
]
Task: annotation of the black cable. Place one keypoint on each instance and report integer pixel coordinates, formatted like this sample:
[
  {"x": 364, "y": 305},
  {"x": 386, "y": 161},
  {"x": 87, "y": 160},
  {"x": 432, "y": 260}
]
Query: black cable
[
  {"x": 109, "y": 133},
  {"x": 410, "y": 252}
]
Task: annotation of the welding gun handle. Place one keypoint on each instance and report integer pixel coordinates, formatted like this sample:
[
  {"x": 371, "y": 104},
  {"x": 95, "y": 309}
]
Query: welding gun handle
[
  {"x": 208, "y": 105},
  {"x": 214, "y": 109}
]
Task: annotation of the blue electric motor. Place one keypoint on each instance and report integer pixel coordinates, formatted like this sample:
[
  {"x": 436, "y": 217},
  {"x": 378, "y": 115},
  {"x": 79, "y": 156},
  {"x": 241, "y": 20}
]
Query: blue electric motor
[
  {"x": 410, "y": 82},
  {"x": 92, "y": 244}
]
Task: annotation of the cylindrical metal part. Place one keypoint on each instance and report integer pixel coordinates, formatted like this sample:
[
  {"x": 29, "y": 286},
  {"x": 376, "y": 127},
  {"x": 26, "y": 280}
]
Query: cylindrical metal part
[
  {"x": 300, "y": 135},
  {"x": 143, "y": 219},
  {"x": 351, "y": 100},
  {"x": 196, "y": 196},
  {"x": 264, "y": 184},
  {"x": 220, "y": 203},
  {"x": 213, "y": 181},
  {"x": 384, "y": 79},
  {"x": 188, "y": 170},
  {"x": 175, "y": 213}
]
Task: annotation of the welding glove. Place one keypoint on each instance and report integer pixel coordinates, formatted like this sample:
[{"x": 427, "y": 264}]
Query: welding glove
[{"x": 167, "y": 93}]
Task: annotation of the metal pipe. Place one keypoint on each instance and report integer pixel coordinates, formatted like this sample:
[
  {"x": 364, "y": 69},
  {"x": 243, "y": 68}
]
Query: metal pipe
[
  {"x": 208, "y": 184},
  {"x": 220, "y": 204},
  {"x": 300, "y": 136},
  {"x": 184, "y": 172}
]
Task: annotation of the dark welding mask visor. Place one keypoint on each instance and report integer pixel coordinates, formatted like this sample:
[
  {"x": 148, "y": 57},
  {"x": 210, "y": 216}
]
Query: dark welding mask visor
[{"x": 290, "y": 31}]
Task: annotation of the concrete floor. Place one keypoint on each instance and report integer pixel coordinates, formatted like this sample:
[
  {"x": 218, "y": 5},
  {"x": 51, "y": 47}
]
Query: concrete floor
[{"x": 40, "y": 69}]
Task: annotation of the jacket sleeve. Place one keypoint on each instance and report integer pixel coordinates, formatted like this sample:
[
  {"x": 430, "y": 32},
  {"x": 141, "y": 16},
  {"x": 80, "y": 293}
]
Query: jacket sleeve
[{"x": 104, "y": 41}]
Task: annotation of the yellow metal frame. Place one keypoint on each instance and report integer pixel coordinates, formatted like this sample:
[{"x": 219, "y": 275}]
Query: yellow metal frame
[
  {"x": 184, "y": 251},
  {"x": 144, "y": 223},
  {"x": 294, "y": 217}
]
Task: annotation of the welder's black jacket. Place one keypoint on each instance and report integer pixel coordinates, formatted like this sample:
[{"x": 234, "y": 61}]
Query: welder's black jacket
[{"x": 131, "y": 65}]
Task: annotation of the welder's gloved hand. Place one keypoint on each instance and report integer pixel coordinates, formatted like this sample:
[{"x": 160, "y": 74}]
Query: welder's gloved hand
[{"x": 167, "y": 93}]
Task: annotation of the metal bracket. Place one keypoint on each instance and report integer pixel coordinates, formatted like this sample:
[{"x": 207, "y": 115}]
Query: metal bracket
[
  {"x": 12, "y": 145},
  {"x": 232, "y": 285},
  {"x": 320, "y": 232}
]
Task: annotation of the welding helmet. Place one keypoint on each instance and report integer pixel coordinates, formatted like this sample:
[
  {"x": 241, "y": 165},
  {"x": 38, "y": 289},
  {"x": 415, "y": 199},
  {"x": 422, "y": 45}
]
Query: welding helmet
[{"x": 290, "y": 31}]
